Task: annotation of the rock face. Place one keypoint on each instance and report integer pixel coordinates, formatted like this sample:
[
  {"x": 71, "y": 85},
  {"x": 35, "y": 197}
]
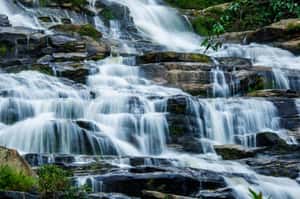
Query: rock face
[
  {"x": 283, "y": 34},
  {"x": 194, "y": 73},
  {"x": 64, "y": 51},
  {"x": 232, "y": 152},
  {"x": 12, "y": 158}
]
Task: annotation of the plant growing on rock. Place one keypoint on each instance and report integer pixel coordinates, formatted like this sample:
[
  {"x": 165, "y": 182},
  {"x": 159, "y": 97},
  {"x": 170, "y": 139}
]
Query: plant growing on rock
[
  {"x": 13, "y": 180},
  {"x": 54, "y": 181}
]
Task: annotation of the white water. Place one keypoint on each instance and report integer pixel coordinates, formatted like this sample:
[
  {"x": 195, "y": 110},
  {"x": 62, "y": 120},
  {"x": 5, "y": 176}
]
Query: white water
[
  {"x": 161, "y": 24},
  {"x": 130, "y": 112},
  {"x": 220, "y": 86},
  {"x": 16, "y": 16}
]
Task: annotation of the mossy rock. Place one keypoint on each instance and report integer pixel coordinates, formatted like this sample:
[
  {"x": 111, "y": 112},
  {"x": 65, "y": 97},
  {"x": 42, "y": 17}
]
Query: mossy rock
[
  {"x": 82, "y": 30},
  {"x": 173, "y": 57}
]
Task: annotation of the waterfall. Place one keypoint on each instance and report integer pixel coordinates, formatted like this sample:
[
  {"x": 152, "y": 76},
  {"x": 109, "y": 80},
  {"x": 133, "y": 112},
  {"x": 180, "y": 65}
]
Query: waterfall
[
  {"x": 120, "y": 113},
  {"x": 234, "y": 120},
  {"x": 18, "y": 17},
  {"x": 161, "y": 24},
  {"x": 263, "y": 55},
  {"x": 220, "y": 86}
]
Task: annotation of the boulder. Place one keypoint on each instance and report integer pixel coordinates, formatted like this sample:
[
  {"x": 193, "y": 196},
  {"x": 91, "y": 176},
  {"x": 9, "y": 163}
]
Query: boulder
[
  {"x": 234, "y": 152},
  {"x": 12, "y": 158},
  {"x": 269, "y": 139},
  {"x": 134, "y": 184},
  {"x": 4, "y": 21}
]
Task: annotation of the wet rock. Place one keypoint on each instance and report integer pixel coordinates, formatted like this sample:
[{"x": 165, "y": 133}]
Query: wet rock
[
  {"x": 36, "y": 160},
  {"x": 17, "y": 195},
  {"x": 87, "y": 125},
  {"x": 4, "y": 21},
  {"x": 275, "y": 93},
  {"x": 223, "y": 193},
  {"x": 269, "y": 139},
  {"x": 233, "y": 152},
  {"x": 12, "y": 158},
  {"x": 278, "y": 165},
  {"x": 190, "y": 144},
  {"x": 157, "y": 57},
  {"x": 134, "y": 184},
  {"x": 159, "y": 195}
]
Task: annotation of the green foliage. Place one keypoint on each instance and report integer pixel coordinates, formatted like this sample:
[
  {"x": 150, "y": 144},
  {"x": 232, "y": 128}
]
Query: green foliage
[
  {"x": 194, "y": 4},
  {"x": 255, "y": 195},
  {"x": 248, "y": 15},
  {"x": 212, "y": 41},
  {"x": 13, "y": 180},
  {"x": 89, "y": 30},
  {"x": 53, "y": 179},
  {"x": 107, "y": 14}
]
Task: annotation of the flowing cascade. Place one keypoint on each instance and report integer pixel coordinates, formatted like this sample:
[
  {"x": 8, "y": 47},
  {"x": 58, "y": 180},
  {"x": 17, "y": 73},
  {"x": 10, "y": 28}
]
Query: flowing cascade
[
  {"x": 161, "y": 24},
  {"x": 122, "y": 115}
]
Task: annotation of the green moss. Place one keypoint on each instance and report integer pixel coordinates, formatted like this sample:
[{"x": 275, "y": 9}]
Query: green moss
[
  {"x": 259, "y": 84},
  {"x": 107, "y": 14},
  {"x": 200, "y": 58},
  {"x": 89, "y": 30},
  {"x": 293, "y": 27},
  {"x": 13, "y": 180}
]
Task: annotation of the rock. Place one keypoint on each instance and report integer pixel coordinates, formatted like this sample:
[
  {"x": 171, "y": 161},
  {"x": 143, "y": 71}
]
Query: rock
[
  {"x": 17, "y": 195},
  {"x": 4, "y": 21},
  {"x": 159, "y": 195},
  {"x": 283, "y": 30},
  {"x": 269, "y": 139},
  {"x": 292, "y": 45},
  {"x": 272, "y": 163},
  {"x": 157, "y": 57},
  {"x": 275, "y": 93},
  {"x": 13, "y": 159},
  {"x": 233, "y": 152},
  {"x": 134, "y": 184}
]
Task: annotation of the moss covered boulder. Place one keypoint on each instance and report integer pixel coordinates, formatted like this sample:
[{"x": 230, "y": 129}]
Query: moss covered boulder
[{"x": 12, "y": 158}]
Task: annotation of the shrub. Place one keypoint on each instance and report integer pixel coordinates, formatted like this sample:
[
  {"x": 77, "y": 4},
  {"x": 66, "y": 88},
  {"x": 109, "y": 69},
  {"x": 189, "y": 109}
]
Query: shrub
[
  {"x": 53, "y": 179},
  {"x": 13, "y": 180}
]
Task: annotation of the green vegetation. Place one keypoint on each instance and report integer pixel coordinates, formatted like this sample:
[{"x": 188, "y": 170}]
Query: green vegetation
[
  {"x": 255, "y": 195},
  {"x": 53, "y": 179},
  {"x": 194, "y": 4},
  {"x": 13, "y": 180},
  {"x": 242, "y": 15},
  {"x": 89, "y": 30},
  {"x": 107, "y": 14}
]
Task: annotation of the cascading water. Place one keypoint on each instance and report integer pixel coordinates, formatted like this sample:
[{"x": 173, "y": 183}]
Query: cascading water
[
  {"x": 220, "y": 86},
  {"x": 161, "y": 24},
  {"x": 120, "y": 113},
  {"x": 16, "y": 16}
]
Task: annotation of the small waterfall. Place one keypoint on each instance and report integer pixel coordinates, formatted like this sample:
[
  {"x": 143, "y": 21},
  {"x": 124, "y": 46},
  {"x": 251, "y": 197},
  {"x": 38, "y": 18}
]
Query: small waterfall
[
  {"x": 16, "y": 16},
  {"x": 220, "y": 86},
  {"x": 263, "y": 55},
  {"x": 161, "y": 24},
  {"x": 228, "y": 121}
]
